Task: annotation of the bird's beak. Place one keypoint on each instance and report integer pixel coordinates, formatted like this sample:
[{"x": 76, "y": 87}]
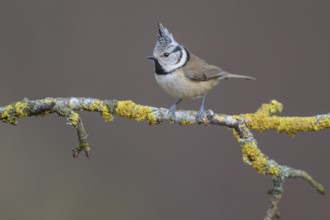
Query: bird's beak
[{"x": 151, "y": 57}]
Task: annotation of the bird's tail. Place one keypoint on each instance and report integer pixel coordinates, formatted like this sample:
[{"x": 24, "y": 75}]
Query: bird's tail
[{"x": 227, "y": 75}]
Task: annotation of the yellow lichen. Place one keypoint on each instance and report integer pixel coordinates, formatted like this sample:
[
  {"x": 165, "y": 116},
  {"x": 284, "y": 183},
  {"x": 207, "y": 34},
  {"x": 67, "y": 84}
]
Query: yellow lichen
[
  {"x": 272, "y": 108},
  {"x": 102, "y": 108},
  {"x": 253, "y": 156},
  {"x": 152, "y": 118},
  {"x": 220, "y": 117},
  {"x": 131, "y": 110},
  {"x": 20, "y": 108},
  {"x": 236, "y": 135},
  {"x": 250, "y": 151},
  {"x": 289, "y": 125},
  {"x": 257, "y": 121},
  {"x": 74, "y": 119},
  {"x": 259, "y": 164},
  {"x": 185, "y": 122},
  {"x": 48, "y": 100},
  {"x": 107, "y": 116},
  {"x": 325, "y": 122},
  {"x": 265, "y": 119},
  {"x": 273, "y": 170},
  {"x": 7, "y": 114}
]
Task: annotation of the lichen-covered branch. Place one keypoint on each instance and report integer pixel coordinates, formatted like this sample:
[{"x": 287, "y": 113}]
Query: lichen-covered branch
[{"x": 265, "y": 118}]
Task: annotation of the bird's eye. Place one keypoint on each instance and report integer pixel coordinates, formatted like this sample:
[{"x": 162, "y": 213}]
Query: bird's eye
[{"x": 166, "y": 54}]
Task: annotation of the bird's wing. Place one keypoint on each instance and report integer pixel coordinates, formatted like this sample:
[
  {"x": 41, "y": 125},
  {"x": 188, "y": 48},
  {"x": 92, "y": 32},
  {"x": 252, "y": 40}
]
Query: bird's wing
[{"x": 199, "y": 70}]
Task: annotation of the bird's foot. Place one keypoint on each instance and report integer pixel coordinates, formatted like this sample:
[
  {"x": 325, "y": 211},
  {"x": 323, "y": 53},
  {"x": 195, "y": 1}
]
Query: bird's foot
[
  {"x": 199, "y": 117},
  {"x": 171, "y": 113}
]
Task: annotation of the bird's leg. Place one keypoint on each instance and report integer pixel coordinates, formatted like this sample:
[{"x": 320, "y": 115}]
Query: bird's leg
[
  {"x": 201, "y": 110},
  {"x": 172, "y": 110}
]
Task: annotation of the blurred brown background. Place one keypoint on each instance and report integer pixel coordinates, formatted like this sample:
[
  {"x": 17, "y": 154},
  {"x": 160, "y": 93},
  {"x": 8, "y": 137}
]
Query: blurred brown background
[{"x": 99, "y": 48}]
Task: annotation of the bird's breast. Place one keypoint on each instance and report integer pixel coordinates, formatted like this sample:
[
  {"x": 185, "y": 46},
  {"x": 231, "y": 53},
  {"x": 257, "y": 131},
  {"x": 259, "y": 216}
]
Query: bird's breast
[{"x": 179, "y": 86}]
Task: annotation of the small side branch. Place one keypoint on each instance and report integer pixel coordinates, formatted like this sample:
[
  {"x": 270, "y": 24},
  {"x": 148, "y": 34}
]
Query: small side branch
[
  {"x": 276, "y": 195},
  {"x": 293, "y": 173},
  {"x": 83, "y": 143}
]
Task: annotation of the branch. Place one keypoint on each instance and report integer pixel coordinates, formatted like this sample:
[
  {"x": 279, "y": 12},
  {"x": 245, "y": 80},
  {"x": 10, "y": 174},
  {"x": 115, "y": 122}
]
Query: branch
[{"x": 265, "y": 118}]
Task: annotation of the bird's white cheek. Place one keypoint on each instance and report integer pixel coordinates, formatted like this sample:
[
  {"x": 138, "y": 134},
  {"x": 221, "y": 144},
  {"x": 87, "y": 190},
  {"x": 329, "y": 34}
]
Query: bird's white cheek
[{"x": 170, "y": 66}]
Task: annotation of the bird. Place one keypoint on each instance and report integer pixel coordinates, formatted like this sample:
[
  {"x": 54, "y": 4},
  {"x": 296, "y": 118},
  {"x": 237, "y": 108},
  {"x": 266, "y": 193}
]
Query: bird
[{"x": 182, "y": 74}]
